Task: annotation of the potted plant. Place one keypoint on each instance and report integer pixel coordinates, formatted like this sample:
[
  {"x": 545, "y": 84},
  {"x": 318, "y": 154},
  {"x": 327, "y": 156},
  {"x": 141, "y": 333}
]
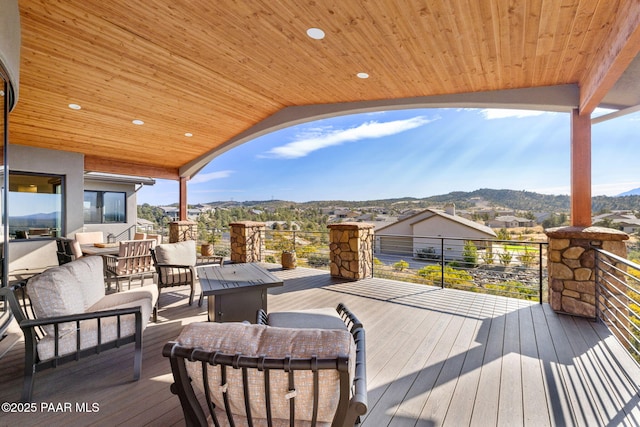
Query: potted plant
[
  {"x": 206, "y": 248},
  {"x": 288, "y": 260}
]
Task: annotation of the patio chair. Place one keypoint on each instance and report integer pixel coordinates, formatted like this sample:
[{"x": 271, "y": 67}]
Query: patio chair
[
  {"x": 175, "y": 265},
  {"x": 133, "y": 260},
  {"x": 65, "y": 314},
  {"x": 88, "y": 237},
  {"x": 64, "y": 251},
  {"x": 263, "y": 375}
]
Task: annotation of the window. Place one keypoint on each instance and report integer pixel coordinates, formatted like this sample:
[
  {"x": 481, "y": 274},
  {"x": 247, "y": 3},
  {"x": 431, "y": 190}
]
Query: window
[
  {"x": 35, "y": 205},
  {"x": 104, "y": 207}
]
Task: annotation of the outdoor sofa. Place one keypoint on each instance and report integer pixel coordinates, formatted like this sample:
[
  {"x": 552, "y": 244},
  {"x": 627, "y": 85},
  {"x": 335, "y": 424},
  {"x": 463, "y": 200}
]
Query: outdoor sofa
[{"x": 52, "y": 307}]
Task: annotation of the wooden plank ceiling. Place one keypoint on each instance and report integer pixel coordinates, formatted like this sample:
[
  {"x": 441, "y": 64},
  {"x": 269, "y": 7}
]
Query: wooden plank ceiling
[{"x": 216, "y": 68}]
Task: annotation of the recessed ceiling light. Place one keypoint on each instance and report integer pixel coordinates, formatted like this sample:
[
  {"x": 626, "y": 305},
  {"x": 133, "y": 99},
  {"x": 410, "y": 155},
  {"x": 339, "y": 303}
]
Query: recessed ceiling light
[
  {"x": 137, "y": 122},
  {"x": 362, "y": 75},
  {"x": 315, "y": 33},
  {"x": 188, "y": 134},
  {"x": 75, "y": 106}
]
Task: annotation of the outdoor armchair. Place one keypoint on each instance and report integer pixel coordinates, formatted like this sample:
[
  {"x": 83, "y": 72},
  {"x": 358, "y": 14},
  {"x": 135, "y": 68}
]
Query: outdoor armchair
[
  {"x": 263, "y": 375},
  {"x": 175, "y": 265}
]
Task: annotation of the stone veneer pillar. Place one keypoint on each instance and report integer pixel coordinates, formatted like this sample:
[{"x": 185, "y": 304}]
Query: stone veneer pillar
[
  {"x": 571, "y": 266},
  {"x": 247, "y": 241},
  {"x": 179, "y": 231},
  {"x": 351, "y": 250}
]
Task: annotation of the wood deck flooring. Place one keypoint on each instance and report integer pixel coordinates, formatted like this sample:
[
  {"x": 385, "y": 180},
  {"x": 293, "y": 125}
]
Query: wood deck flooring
[{"x": 434, "y": 357}]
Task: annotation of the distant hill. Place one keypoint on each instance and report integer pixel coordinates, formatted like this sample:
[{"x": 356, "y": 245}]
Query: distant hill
[
  {"x": 526, "y": 201},
  {"x": 634, "y": 192},
  {"x": 513, "y": 199}
]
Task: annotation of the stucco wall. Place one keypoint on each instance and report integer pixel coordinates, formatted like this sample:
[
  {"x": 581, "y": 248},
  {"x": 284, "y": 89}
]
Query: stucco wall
[{"x": 37, "y": 254}]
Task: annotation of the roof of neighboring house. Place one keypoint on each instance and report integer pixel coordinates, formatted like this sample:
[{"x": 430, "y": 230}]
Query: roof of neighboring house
[{"x": 455, "y": 218}]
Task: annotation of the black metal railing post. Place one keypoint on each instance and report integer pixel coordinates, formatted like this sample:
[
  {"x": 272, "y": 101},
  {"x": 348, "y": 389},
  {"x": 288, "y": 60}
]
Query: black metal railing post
[
  {"x": 442, "y": 263},
  {"x": 540, "y": 278}
]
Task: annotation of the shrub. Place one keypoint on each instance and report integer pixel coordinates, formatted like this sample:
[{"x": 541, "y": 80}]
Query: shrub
[
  {"x": 433, "y": 273},
  {"x": 401, "y": 265},
  {"x": 528, "y": 258},
  {"x": 513, "y": 289},
  {"x": 488, "y": 256},
  {"x": 318, "y": 260},
  {"x": 505, "y": 258}
]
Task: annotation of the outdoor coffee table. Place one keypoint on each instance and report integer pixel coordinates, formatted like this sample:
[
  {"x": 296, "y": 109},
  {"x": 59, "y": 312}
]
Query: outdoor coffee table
[{"x": 235, "y": 292}]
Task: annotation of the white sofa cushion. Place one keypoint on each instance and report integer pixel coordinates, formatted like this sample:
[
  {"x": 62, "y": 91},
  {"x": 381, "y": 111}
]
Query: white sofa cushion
[
  {"x": 67, "y": 289},
  {"x": 256, "y": 340}
]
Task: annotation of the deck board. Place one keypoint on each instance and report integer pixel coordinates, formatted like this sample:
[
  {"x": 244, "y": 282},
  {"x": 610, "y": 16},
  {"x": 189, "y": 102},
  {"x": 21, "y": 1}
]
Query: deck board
[{"x": 434, "y": 357}]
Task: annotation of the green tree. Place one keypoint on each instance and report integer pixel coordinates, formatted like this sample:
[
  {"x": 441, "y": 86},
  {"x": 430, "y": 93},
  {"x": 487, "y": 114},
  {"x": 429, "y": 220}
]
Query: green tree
[{"x": 470, "y": 254}]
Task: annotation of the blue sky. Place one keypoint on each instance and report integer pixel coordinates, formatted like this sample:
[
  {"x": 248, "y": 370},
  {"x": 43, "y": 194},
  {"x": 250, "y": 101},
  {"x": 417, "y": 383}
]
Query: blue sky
[{"x": 415, "y": 153}]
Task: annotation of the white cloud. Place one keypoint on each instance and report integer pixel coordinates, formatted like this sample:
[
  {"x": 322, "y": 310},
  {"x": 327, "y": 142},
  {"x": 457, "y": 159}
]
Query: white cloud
[
  {"x": 206, "y": 177},
  {"x": 319, "y": 138},
  {"x": 499, "y": 113}
]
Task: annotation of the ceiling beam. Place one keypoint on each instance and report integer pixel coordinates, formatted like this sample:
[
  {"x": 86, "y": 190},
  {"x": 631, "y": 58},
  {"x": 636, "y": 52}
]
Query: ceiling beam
[
  {"x": 615, "y": 114},
  {"x": 618, "y": 51},
  {"x": 119, "y": 167}
]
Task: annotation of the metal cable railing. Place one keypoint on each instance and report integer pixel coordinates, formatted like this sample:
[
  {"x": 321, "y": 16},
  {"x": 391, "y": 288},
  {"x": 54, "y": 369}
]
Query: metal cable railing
[
  {"x": 618, "y": 298},
  {"x": 509, "y": 268}
]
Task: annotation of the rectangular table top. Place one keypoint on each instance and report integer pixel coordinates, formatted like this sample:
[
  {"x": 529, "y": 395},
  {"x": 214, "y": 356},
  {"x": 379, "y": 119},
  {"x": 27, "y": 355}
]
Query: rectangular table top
[
  {"x": 216, "y": 280},
  {"x": 92, "y": 249}
]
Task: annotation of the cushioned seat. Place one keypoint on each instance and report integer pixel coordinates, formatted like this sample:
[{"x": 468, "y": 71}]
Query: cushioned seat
[
  {"x": 317, "y": 318},
  {"x": 175, "y": 265},
  {"x": 70, "y": 299},
  {"x": 270, "y": 375}
]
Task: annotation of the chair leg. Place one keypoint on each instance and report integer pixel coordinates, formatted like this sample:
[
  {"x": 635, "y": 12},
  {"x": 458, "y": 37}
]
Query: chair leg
[
  {"x": 191, "y": 295},
  {"x": 29, "y": 371},
  {"x": 137, "y": 358},
  {"x": 200, "y": 300}
]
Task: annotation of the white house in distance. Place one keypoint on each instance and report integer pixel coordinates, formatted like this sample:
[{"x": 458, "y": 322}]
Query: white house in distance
[
  {"x": 423, "y": 233},
  {"x": 510, "y": 221}
]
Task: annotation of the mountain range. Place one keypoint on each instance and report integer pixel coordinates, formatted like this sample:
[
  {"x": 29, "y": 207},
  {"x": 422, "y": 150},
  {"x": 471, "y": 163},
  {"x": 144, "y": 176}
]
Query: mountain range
[
  {"x": 634, "y": 192},
  {"x": 513, "y": 199}
]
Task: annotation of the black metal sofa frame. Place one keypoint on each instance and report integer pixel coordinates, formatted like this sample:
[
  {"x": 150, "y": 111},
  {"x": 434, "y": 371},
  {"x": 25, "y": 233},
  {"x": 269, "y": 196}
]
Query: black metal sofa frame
[
  {"x": 32, "y": 328},
  {"x": 353, "y": 395}
]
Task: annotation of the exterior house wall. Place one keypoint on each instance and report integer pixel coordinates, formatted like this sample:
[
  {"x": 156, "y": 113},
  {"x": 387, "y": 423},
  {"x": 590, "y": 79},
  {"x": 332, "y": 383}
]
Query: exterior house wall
[
  {"x": 121, "y": 231},
  {"x": 438, "y": 226},
  {"x": 37, "y": 254},
  {"x": 396, "y": 238}
]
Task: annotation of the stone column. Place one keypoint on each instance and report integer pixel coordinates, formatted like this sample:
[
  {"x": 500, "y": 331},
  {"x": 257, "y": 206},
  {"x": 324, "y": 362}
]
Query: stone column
[
  {"x": 351, "y": 250},
  {"x": 179, "y": 231},
  {"x": 247, "y": 242},
  {"x": 571, "y": 266}
]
